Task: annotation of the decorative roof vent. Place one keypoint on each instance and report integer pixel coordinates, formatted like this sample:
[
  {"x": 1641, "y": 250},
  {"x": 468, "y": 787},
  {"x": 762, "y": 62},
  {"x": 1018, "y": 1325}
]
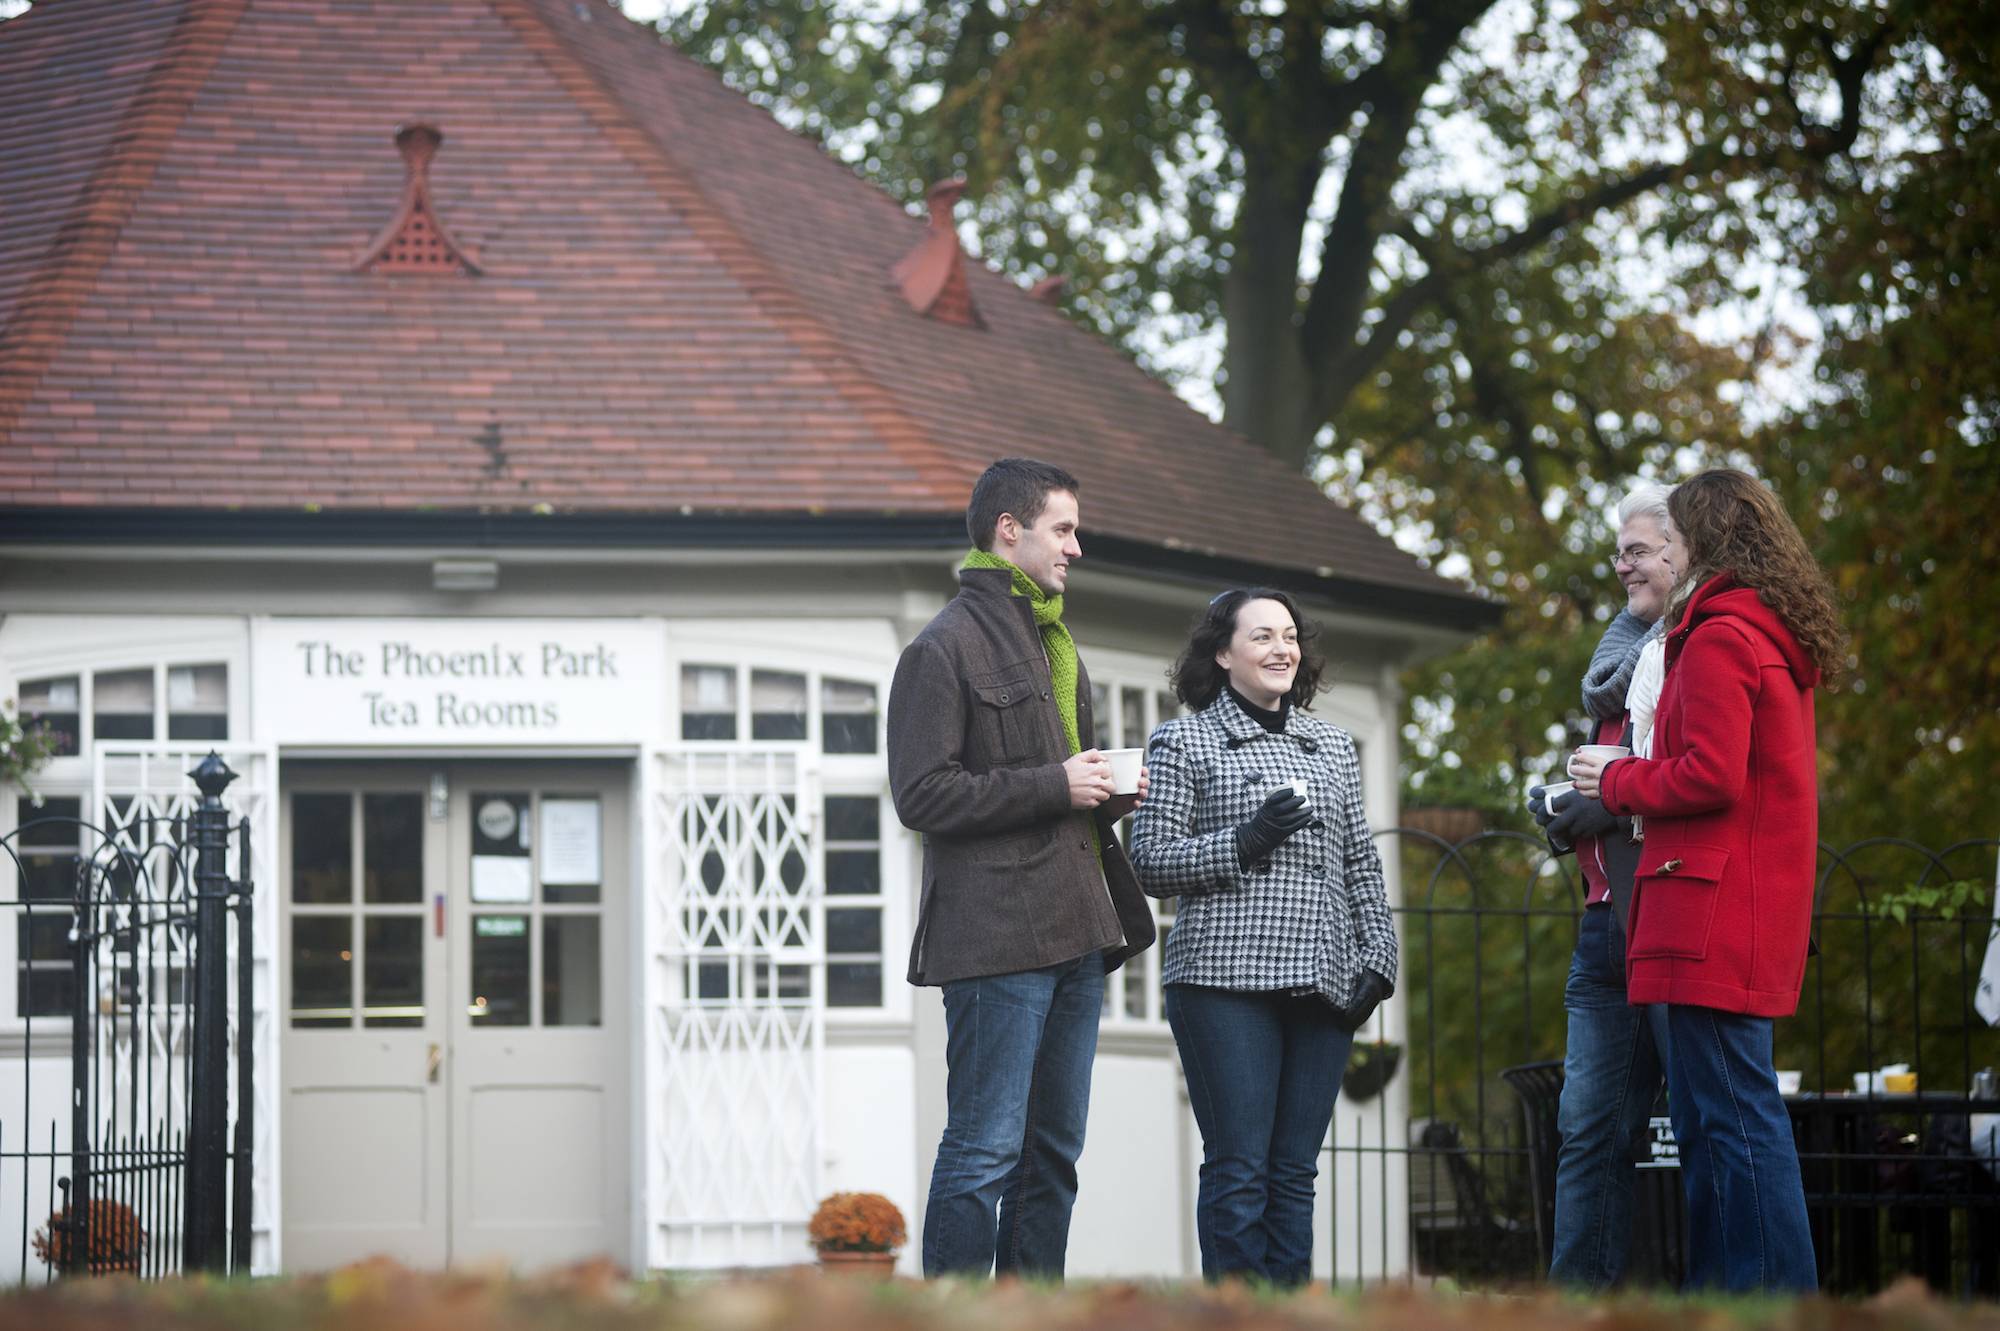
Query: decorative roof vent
[
  {"x": 416, "y": 239},
  {"x": 932, "y": 276}
]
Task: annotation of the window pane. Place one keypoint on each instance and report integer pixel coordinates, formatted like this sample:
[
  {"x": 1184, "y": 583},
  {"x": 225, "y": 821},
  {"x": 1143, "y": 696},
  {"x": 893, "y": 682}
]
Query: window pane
[
  {"x": 198, "y": 702},
  {"x": 572, "y": 992},
  {"x": 322, "y": 848},
  {"x": 392, "y": 841},
  {"x": 57, "y": 818},
  {"x": 708, "y": 702},
  {"x": 853, "y": 818},
  {"x": 777, "y": 705},
  {"x": 1135, "y": 988},
  {"x": 44, "y": 987},
  {"x": 55, "y": 705},
  {"x": 122, "y": 707},
  {"x": 853, "y": 873},
  {"x": 322, "y": 970},
  {"x": 794, "y": 982},
  {"x": 851, "y": 930},
  {"x": 499, "y": 970},
  {"x": 848, "y": 716},
  {"x": 1132, "y": 713},
  {"x": 854, "y": 984},
  {"x": 392, "y": 973}
]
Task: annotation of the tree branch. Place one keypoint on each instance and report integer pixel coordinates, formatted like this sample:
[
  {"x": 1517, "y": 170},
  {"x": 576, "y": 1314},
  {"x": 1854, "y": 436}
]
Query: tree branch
[{"x": 1348, "y": 366}]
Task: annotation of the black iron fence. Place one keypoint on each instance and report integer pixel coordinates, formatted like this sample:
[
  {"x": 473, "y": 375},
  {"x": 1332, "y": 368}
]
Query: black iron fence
[
  {"x": 1899, "y": 1174},
  {"x": 117, "y": 1155}
]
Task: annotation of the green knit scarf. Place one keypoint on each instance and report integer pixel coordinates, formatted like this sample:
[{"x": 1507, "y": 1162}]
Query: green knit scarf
[
  {"x": 1055, "y": 638},
  {"x": 1061, "y": 649}
]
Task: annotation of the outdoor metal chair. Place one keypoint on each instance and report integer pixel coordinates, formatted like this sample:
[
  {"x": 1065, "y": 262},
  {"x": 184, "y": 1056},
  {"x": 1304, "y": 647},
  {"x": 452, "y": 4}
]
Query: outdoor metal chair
[{"x": 1454, "y": 1229}]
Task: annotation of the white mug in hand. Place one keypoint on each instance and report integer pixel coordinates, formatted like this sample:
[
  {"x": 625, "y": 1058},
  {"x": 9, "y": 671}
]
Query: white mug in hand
[
  {"x": 1125, "y": 765},
  {"x": 1604, "y": 753}
]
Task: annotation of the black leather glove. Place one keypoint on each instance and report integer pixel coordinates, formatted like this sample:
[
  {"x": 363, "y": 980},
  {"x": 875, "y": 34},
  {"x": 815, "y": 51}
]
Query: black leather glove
[
  {"x": 1538, "y": 805},
  {"x": 1284, "y": 812},
  {"x": 1369, "y": 991},
  {"x": 1578, "y": 817}
]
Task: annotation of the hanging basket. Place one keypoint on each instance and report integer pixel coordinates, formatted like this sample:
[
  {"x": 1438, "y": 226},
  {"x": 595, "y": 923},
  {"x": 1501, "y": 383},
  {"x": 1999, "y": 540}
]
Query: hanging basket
[{"x": 1369, "y": 1068}]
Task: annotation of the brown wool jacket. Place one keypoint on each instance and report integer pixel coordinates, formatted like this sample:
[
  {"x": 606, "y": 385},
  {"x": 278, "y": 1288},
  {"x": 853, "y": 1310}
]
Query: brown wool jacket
[{"x": 976, "y": 749}]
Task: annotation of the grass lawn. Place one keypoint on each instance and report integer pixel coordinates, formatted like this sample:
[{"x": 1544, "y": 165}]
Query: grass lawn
[{"x": 381, "y": 1296}]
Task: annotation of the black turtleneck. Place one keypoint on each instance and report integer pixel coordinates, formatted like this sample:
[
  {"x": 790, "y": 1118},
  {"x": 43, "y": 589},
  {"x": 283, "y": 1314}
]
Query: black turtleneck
[{"x": 1273, "y": 721}]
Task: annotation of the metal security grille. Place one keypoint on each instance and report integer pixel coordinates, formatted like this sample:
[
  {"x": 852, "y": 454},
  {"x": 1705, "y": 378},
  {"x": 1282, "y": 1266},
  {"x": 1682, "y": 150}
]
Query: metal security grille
[{"x": 735, "y": 1000}]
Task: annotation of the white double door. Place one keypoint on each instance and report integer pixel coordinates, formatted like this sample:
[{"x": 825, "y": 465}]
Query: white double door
[{"x": 456, "y": 985}]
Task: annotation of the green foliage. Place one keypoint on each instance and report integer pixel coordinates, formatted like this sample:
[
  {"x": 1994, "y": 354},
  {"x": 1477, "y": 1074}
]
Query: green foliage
[
  {"x": 23, "y": 751},
  {"x": 1454, "y": 254}
]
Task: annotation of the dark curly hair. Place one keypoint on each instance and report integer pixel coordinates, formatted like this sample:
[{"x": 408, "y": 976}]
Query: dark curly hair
[
  {"x": 1731, "y": 522},
  {"x": 1197, "y": 679}
]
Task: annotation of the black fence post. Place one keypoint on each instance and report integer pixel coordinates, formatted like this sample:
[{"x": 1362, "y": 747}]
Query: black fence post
[
  {"x": 83, "y": 1022},
  {"x": 204, "y": 1240}
]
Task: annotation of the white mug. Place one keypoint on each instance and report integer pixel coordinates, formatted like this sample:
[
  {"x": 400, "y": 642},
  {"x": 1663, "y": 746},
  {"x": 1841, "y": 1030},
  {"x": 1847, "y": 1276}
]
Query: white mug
[
  {"x": 1124, "y": 770},
  {"x": 1602, "y": 752}
]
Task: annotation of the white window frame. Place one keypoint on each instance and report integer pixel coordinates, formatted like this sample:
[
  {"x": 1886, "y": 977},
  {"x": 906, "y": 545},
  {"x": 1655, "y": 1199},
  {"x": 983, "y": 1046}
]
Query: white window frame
[
  {"x": 862, "y": 651},
  {"x": 44, "y": 646}
]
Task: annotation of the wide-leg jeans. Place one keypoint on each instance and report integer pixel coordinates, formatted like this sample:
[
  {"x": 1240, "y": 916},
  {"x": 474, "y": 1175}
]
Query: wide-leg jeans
[
  {"x": 1747, "y": 1223},
  {"x": 1612, "y": 1069},
  {"x": 1019, "y": 1050},
  {"x": 1262, "y": 1073}
]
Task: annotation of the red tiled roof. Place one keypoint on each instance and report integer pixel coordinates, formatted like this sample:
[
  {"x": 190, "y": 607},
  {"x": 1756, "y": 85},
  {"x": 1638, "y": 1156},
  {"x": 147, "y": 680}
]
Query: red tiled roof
[{"x": 682, "y": 307}]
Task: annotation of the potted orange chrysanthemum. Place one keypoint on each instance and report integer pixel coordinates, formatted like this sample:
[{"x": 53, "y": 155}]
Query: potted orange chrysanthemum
[{"x": 857, "y": 1232}]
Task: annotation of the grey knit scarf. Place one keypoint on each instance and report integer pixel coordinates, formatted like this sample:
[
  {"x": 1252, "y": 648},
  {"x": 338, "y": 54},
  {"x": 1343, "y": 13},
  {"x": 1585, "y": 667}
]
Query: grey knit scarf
[{"x": 1610, "y": 674}]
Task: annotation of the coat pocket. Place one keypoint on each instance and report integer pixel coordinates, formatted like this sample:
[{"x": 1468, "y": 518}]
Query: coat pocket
[
  {"x": 1004, "y": 722},
  {"x": 1674, "y": 904}
]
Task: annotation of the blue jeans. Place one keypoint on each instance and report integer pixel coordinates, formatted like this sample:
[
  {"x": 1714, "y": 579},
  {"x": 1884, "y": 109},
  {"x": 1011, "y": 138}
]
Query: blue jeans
[
  {"x": 1747, "y": 1225},
  {"x": 1019, "y": 1049},
  {"x": 1262, "y": 1072},
  {"x": 1611, "y": 1076}
]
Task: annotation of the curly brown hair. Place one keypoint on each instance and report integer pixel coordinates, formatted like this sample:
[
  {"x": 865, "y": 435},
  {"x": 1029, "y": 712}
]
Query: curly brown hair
[
  {"x": 1731, "y": 522},
  {"x": 1197, "y": 679}
]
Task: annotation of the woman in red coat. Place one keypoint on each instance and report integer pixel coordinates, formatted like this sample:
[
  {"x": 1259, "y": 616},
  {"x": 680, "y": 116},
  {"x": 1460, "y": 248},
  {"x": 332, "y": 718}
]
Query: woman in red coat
[{"x": 1723, "y": 904}]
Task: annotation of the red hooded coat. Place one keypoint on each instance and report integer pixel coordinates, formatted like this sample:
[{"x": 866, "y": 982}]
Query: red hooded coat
[{"x": 1722, "y": 910}]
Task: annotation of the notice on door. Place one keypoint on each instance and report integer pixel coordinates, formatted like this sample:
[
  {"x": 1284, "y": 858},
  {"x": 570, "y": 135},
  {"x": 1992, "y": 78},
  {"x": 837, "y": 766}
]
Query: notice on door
[{"x": 572, "y": 850}]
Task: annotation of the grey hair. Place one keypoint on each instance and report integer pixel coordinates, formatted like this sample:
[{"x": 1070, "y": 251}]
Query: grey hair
[{"x": 1646, "y": 501}]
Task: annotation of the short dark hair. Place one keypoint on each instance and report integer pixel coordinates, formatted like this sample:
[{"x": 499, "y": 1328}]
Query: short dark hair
[
  {"x": 1197, "y": 679},
  {"x": 1020, "y": 486}
]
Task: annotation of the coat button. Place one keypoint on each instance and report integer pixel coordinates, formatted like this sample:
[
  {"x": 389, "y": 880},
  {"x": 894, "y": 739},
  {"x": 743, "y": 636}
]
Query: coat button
[
  {"x": 1003, "y": 697},
  {"x": 1045, "y": 695},
  {"x": 1083, "y": 844},
  {"x": 1670, "y": 866},
  {"x": 1319, "y": 869}
]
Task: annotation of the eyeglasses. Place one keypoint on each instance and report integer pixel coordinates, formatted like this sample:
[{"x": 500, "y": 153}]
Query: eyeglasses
[{"x": 1631, "y": 555}]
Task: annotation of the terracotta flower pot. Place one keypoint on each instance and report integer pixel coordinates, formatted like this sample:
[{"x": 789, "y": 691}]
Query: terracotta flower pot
[{"x": 869, "y": 1265}]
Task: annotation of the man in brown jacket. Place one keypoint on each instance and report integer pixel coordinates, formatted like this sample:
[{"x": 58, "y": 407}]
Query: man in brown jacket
[{"x": 1028, "y": 899}]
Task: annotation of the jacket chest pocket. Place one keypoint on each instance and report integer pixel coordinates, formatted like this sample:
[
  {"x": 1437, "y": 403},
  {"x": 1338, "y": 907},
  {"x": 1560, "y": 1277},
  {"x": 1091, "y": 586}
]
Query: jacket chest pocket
[{"x": 1006, "y": 721}]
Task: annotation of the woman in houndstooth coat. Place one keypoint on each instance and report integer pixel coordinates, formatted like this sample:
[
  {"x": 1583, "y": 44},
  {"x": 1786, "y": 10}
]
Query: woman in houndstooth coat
[{"x": 1282, "y": 943}]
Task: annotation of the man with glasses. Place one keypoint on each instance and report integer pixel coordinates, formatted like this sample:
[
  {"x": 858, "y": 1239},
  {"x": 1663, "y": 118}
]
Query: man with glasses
[{"x": 1614, "y": 1062}]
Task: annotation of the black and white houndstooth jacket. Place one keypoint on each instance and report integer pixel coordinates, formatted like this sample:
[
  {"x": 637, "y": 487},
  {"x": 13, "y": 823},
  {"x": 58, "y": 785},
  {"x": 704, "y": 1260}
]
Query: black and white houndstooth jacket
[{"x": 1316, "y": 912}]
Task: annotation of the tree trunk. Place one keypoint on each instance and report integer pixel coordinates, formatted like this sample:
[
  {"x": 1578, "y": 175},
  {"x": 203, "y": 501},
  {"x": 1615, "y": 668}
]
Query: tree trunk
[{"x": 1266, "y": 390}]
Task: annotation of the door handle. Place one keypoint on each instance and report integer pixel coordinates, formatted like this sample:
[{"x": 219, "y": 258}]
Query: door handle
[{"x": 435, "y": 1062}]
